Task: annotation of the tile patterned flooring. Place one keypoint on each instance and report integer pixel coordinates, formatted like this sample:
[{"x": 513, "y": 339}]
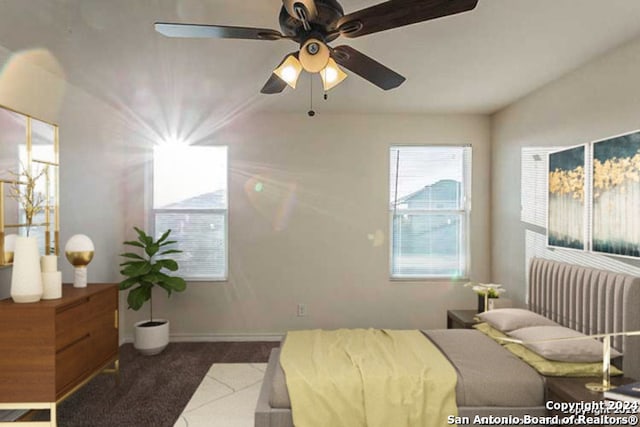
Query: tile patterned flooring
[{"x": 226, "y": 397}]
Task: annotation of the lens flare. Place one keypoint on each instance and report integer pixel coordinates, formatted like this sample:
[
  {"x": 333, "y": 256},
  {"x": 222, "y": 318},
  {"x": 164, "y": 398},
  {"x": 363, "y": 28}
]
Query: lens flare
[
  {"x": 34, "y": 71},
  {"x": 273, "y": 199}
]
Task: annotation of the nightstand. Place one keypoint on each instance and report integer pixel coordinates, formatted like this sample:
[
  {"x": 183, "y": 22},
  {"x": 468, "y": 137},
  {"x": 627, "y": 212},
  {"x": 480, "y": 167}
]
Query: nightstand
[{"x": 461, "y": 319}]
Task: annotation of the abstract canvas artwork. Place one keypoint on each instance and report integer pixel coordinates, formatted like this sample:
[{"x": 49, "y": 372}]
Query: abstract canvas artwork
[
  {"x": 566, "y": 196},
  {"x": 616, "y": 195}
]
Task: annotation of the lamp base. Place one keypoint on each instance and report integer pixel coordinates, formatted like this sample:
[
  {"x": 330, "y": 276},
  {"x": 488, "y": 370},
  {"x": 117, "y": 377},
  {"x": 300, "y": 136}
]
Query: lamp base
[
  {"x": 598, "y": 387},
  {"x": 80, "y": 277}
]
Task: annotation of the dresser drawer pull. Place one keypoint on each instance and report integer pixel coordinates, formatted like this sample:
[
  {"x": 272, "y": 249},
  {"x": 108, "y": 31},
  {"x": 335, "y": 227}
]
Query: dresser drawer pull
[
  {"x": 71, "y": 344},
  {"x": 115, "y": 319},
  {"x": 74, "y": 305}
]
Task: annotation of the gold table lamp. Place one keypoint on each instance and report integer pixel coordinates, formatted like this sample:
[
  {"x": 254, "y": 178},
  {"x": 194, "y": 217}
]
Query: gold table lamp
[{"x": 79, "y": 251}]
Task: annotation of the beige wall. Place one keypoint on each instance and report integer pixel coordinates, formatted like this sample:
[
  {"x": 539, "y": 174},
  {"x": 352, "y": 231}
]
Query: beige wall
[
  {"x": 598, "y": 100},
  {"x": 306, "y": 238}
]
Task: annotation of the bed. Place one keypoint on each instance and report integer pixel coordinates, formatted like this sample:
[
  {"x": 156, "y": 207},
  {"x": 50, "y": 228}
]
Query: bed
[{"x": 587, "y": 300}]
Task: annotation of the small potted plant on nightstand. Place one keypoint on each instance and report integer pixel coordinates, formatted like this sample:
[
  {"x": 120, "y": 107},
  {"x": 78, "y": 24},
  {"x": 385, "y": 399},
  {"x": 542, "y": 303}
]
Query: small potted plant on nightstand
[
  {"x": 147, "y": 271},
  {"x": 487, "y": 293}
]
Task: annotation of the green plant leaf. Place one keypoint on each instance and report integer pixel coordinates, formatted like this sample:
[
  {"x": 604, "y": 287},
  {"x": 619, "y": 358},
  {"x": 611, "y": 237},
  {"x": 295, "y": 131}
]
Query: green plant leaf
[
  {"x": 143, "y": 237},
  {"x": 153, "y": 277},
  {"x": 138, "y": 296},
  {"x": 166, "y": 287},
  {"x": 164, "y": 236},
  {"x": 134, "y": 243},
  {"x": 137, "y": 269},
  {"x": 152, "y": 249},
  {"x": 131, "y": 255},
  {"x": 171, "y": 251},
  {"x": 169, "y": 264},
  {"x": 127, "y": 283},
  {"x": 176, "y": 283},
  {"x": 168, "y": 242},
  {"x": 136, "y": 263},
  {"x": 129, "y": 262}
]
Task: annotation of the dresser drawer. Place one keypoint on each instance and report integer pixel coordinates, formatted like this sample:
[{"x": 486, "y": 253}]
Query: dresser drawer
[
  {"x": 104, "y": 302},
  {"x": 74, "y": 321},
  {"x": 71, "y": 323},
  {"x": 72, "y": 364},
  {"x": 51, "y": 347}
]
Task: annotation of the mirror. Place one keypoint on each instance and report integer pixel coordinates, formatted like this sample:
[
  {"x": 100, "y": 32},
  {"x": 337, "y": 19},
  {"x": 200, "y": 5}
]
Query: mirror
[{"x": 28, "y": 153}]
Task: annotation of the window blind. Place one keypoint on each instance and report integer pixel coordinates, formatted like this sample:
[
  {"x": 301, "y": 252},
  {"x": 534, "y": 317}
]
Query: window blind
[
  {"x": 190, "y": 197},
  {"x": 429, "y": 188}
]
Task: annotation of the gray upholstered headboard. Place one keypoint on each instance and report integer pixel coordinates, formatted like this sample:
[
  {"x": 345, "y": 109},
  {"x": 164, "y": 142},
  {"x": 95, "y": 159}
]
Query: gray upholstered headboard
[{"x": 590, "y": 301}]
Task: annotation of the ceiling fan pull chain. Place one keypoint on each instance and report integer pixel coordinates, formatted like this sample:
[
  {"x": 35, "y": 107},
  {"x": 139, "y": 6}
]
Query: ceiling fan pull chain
[{"x": 311, "y": 113}]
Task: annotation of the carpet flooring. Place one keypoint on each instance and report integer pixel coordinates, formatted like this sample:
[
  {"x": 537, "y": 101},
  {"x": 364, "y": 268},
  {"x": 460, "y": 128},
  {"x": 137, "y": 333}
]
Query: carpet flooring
[{"x": 153, "y": 390}]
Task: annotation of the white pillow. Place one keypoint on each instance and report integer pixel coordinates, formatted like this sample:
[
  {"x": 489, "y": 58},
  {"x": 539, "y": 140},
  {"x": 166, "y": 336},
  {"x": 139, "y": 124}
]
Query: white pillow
[
  {"x": 510, "y": 319},
  {"x": 582, "y": 350}
]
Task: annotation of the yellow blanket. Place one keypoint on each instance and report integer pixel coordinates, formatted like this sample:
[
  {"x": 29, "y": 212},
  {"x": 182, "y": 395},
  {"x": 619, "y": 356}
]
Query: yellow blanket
[{"x": 367, "y": 378}]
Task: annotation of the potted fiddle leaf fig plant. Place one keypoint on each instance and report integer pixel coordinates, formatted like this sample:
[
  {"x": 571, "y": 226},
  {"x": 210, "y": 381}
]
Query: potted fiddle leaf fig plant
[{"x": 144, "y": 272}]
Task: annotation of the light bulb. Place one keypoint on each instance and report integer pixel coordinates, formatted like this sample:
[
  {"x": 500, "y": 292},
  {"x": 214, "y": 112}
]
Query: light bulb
[
  {"x": 332, "y": 75},
  {"x": 289, "y": 74},
  {"x": 289, "y": 71}
]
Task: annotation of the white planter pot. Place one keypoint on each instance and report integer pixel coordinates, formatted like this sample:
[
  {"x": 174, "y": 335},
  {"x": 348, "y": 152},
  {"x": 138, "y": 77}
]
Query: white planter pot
[
  {"x": 26, "y": 278},
  {"x": 150, "y": 340}
]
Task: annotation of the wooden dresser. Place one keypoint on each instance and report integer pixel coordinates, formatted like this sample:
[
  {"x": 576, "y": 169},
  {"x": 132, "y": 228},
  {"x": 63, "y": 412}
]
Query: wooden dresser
[{"x": 50, "y": 348}]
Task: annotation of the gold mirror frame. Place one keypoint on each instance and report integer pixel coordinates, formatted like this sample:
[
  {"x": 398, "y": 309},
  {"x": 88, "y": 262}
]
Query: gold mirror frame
[{"x": 51, "y": 167}]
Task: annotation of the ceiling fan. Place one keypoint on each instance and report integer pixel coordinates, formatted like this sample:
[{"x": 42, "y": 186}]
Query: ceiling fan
[{"x": 313, "y": 24}]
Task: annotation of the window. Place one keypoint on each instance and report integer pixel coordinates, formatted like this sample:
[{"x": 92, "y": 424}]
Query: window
[
  {"x": 190, "y": 197},
  {"x": 429, "y": 208}
]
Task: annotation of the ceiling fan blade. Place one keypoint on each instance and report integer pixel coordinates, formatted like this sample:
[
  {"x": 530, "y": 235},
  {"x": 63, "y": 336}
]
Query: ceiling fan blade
[
  {"x": 216, "y": 31},
  {"x": 367, "y": 68},
  {"x": 301, "y": 9},
  {"x": 398, "y": 13},
  {"x": 274, "y": 85}
]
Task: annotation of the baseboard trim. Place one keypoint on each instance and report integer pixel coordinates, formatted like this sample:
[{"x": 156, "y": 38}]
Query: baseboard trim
[{"x": 221, "y": 337}]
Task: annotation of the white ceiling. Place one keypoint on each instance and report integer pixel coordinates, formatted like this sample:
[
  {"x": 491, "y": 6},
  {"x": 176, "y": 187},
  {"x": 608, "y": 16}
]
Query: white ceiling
[{"x": 476, "y": 62}]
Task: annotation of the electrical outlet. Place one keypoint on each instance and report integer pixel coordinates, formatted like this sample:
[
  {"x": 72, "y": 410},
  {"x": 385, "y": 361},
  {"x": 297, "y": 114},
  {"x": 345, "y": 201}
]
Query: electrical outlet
[{"x": 302, "y": 310}]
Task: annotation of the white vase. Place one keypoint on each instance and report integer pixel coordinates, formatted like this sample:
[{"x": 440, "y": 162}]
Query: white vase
[
  {"x": 26, "y": 277},
  {"x": 51, "y": 285}
]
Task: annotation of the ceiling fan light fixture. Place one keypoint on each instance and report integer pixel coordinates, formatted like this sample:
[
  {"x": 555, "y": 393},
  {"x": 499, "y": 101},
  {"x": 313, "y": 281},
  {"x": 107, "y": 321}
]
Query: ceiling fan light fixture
[
  {"x": 314, "y": 55},
  {"x": 332, "y": 75},
  {"x": 289, "y": 71}
]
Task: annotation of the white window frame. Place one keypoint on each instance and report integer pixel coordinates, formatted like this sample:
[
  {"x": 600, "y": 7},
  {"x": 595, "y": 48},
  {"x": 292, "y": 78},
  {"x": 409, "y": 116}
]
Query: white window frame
[
  {"x": 225, "y": 212},
  {"x": 464, "y": 212}
]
